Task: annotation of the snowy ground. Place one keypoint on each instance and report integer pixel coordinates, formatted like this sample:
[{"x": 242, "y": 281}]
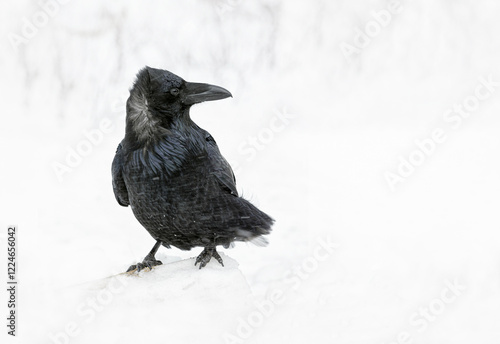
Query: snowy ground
[{"x": 385, "y": 193}]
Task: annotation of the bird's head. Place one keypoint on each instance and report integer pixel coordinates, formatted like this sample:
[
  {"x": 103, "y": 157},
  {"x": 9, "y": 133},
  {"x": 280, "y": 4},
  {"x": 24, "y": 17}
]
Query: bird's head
[{"x": 159, "y": 98}]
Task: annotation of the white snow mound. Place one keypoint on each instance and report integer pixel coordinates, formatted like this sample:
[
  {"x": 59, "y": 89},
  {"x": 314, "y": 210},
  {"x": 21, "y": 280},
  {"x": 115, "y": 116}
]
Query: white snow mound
[{"x": 200, "y": 302}]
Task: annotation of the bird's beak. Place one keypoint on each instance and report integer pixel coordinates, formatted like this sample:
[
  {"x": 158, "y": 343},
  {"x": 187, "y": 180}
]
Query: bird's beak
[{"x": 196, "y": 93}]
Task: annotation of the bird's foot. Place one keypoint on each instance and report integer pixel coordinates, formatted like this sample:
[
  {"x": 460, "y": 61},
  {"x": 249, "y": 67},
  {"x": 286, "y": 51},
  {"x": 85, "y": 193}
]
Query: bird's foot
[
  {"x": 146, "y": 263},
  {"x": 207, "y": 254}
]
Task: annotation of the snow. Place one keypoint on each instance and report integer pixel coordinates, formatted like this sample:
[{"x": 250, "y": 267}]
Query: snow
[
  {"x": 351, "y": 259},
  {"x": 194, "y": 302}
]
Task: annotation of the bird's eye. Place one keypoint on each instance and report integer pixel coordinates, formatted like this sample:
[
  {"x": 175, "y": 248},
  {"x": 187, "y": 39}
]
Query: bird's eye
[{"x": 174, "y": 92}]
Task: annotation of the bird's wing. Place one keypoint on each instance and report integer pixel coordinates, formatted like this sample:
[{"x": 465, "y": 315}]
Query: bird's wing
[
  {"x": 220, "y": 168},
  {"x": 119, "y": 187}
]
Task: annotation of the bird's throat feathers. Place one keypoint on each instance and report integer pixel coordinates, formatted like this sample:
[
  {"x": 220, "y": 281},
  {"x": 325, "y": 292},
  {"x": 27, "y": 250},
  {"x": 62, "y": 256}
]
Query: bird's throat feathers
[
  {"x": 145, "y": 123},
  {"x": 141, "y": 122}
]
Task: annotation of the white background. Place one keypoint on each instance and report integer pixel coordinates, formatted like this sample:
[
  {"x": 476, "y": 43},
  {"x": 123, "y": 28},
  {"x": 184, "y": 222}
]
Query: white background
[{"x": 322, "y": 173}]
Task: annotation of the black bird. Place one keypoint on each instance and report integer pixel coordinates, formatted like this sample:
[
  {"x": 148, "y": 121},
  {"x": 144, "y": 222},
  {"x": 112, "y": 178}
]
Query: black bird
[{"x": 171, "y": 173}]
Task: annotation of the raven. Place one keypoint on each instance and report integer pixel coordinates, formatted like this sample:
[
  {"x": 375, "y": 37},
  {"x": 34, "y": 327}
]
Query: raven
[{"x": 172, "y": 174}]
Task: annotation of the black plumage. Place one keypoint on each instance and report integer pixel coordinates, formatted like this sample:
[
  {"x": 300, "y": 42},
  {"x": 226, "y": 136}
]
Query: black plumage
[{"x": 171, "y": 173}]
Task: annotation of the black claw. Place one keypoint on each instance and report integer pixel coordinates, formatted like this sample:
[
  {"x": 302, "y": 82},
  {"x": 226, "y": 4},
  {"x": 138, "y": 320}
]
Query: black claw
[
  {"x": 149, "y": 261},
  {"x": 218, "y": 257},
  {"x": 145, "y": 264},
  {"x": 205, "y": 256},
  {"x": 131, "y": 268}
]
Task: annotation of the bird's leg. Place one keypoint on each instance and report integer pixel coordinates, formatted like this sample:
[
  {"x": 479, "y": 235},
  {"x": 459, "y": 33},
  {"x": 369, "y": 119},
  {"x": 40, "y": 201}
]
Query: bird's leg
[
  {"x": 149, "y": 261},
  {"x": 216, "y": 255},
  {"x": 207, "y": 254}
]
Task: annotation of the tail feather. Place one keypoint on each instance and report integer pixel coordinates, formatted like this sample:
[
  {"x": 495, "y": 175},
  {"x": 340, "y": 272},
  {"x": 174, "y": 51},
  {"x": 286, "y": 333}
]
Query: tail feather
[{"x": 252, "y": 224}]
